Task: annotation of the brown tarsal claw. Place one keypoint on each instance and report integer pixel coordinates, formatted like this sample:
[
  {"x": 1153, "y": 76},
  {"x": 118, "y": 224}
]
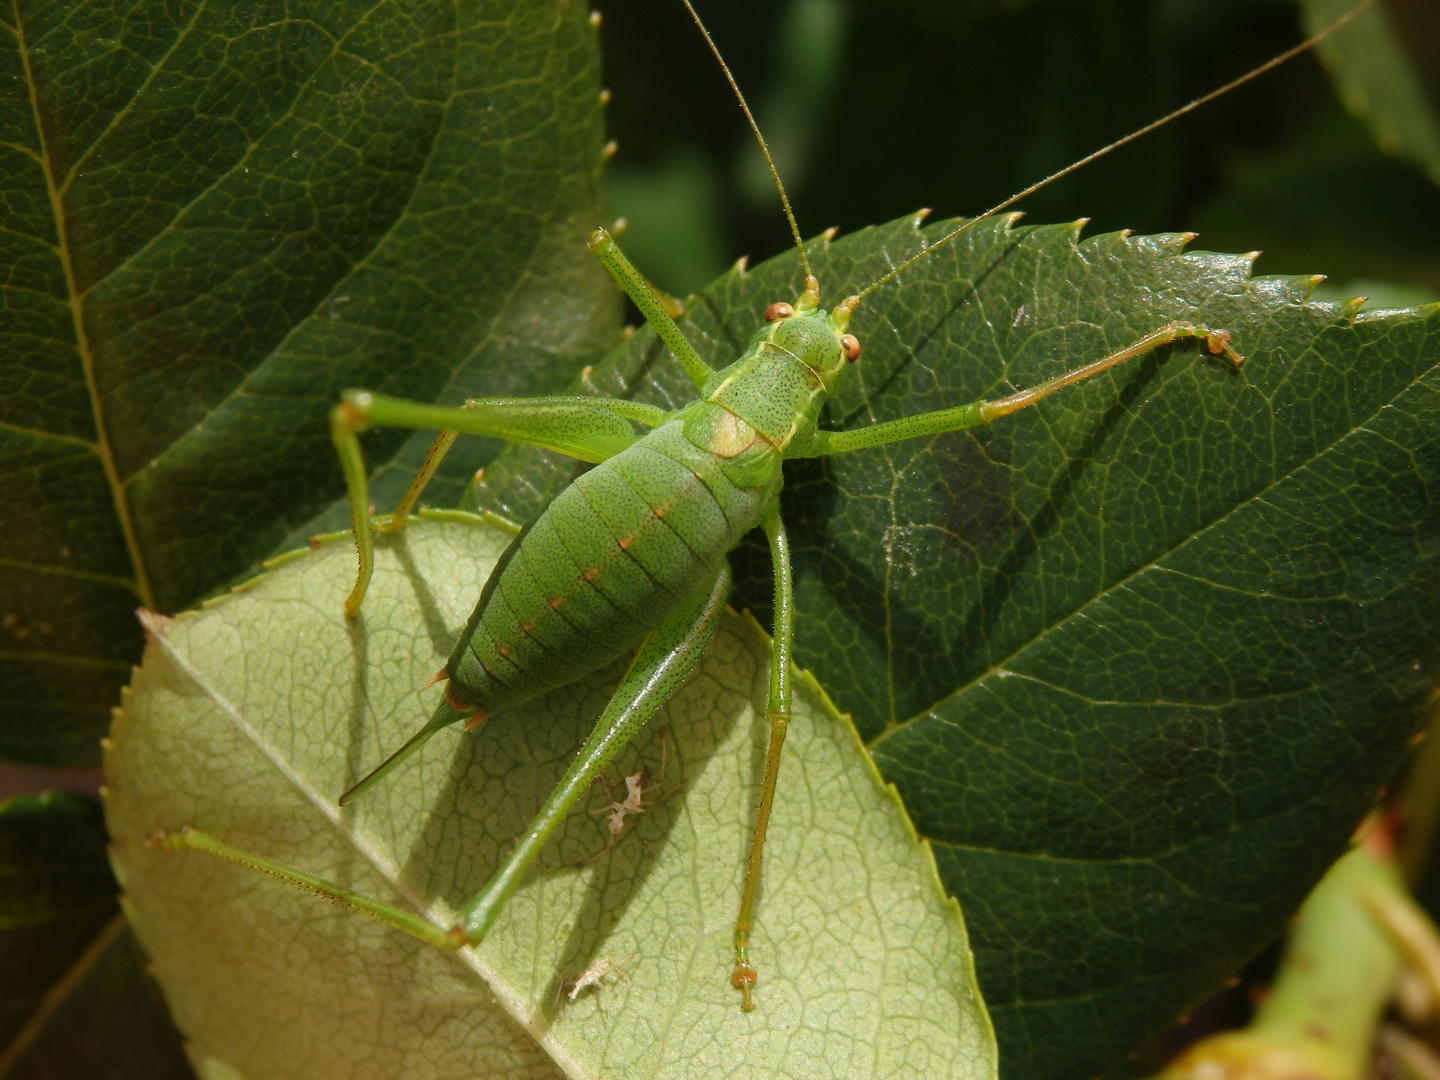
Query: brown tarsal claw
[
  {"x": 439, "y": 676},
  {"x": 743, "y": 978},
  {"x": 1218, "y": 341},
  {"x": 476, "y": 719}
]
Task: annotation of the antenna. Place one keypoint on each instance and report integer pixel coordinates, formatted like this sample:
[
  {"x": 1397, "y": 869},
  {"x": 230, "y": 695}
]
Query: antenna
[
  {"x": 849, "y": 303},
  {"x": 811, "y": 284}
]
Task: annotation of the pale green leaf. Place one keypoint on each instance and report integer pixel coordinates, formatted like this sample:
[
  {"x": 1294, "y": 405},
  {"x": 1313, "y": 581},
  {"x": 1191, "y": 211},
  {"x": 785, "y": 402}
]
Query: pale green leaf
[{"x": 249, "y": 717}]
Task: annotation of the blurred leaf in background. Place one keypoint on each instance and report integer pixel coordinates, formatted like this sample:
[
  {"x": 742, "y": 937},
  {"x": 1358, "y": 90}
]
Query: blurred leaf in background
[
  {"x": 957, "y": 105},
  {"x": 1393, "y": 91},
  {"x": 74, "y": 1001}
]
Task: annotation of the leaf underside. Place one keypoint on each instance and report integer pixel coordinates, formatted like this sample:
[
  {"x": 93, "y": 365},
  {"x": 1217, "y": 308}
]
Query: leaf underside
[
  {"x": 249, "y": 717},
  {"x": 1137, "y": 659}
]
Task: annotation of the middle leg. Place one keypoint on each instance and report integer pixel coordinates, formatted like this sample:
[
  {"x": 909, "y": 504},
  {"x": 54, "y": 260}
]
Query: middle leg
[{"x": 777, "y": 710}]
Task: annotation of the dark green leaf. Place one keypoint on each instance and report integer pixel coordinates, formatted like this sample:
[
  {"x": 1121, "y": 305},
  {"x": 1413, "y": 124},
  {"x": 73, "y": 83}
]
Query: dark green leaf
[
  {"x": 73, "y": 999},
  {"x": 216, "y": 218},
  {"x": 1137, "y": 659},
  {"x": 56, "y": 893},
  {"x": 111, "y": 1023}
]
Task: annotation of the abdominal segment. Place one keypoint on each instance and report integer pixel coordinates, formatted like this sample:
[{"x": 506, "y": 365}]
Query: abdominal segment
[{"x": 605, "y": 563}]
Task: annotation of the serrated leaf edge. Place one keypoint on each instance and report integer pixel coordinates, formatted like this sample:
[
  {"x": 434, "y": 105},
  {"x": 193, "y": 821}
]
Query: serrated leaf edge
[
  {"x": 156, "y": 629},
  {"x": 535, "y": 1022}
]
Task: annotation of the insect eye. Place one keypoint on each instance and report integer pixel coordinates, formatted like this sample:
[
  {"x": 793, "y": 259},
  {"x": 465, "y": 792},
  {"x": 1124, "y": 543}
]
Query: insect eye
[
  {"x": 778, "y": 310},
  {"x": 851, "y": 345}
]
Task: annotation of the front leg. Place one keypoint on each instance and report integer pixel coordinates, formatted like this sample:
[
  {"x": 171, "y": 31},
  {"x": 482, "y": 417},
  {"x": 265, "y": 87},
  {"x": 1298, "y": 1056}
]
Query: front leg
[
  {"x": 645, "y": 298},
  {"x": 979, "y": 413},
  {"x": 590, "y": 429}
]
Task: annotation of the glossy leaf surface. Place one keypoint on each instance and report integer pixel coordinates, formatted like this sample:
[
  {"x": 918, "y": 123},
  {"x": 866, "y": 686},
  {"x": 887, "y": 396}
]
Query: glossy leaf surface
[{"x": 1137, "y": 659}]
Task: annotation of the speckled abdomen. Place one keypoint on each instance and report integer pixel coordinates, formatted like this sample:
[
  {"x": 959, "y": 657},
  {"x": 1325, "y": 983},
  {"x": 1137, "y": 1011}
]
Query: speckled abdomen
[{"x": 601, "y": 567}]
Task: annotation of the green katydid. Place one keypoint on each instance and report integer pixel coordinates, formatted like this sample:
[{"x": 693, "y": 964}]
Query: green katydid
[{"x": 633, "y": 554}]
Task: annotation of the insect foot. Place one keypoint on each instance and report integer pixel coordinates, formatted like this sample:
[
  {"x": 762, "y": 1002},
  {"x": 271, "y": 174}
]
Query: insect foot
[{"x": 743, "y": 978}]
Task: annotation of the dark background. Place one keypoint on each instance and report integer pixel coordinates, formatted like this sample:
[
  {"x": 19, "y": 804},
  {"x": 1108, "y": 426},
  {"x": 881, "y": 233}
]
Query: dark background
[{"x": 877, "y": 109}]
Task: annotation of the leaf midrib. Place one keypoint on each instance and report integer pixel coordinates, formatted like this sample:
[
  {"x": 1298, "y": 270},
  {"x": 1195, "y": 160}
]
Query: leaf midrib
[
  {"x": 101, "y": 446},
  {"x": 505, "y": 995}
]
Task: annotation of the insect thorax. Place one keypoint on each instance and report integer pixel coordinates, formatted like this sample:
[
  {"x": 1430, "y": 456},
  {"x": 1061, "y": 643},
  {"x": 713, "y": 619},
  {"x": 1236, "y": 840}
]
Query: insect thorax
[{"x": 782, "y": 381}]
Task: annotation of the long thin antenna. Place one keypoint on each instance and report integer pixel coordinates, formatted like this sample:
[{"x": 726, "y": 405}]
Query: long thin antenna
[
  {"x": 764, "y": 149},
  {"x": 1289, "y": 54}
]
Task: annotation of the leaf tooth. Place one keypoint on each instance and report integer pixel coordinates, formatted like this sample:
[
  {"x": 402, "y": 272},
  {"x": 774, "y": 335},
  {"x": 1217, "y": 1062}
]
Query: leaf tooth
[
  {"x": 1314, "y": 280},
  {"x": 1123, "y": 242},
  {"x": 1057, "y": 233},
  {"x": 1172, "y": 243},
  {"x": 1281, "y": 288},
  {"x": 155, "y": 625},
  {"x": 1351, "y": 307},
  {"x": 1239, "y": 269}
]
